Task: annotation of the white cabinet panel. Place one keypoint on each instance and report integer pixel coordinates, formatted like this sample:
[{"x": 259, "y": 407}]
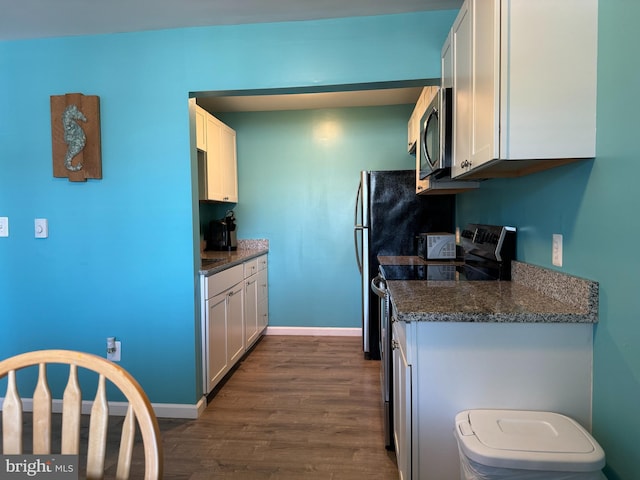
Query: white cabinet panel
[
  {"x": 218, "y": 169},
  {"x": 457, "y": 366}
]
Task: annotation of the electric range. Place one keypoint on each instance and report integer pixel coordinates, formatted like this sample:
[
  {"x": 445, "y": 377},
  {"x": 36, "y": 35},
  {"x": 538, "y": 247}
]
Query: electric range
[{"x": 487, "y": 251}]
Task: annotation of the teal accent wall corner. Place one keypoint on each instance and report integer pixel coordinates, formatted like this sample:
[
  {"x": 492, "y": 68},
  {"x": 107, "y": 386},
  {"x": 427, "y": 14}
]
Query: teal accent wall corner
[{"x": 298, "y": 177}]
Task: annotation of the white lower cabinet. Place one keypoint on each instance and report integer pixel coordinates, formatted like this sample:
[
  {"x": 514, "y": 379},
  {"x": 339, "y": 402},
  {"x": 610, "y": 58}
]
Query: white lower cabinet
[
  {"x": 235, "y": 327},
  {"x": 442, "y": 368},
  {"x": 401, "y": 403},
  {"x": 223, "y": 324},
  {"x": 263, "y": 296},
  {"x": 234, "y": 306},
  {"x": 255, "y": 299},
  {"x": 250, "y": 302}
]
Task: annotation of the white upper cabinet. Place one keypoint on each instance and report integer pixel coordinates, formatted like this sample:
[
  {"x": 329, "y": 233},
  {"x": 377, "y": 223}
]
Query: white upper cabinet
[
  {"x": 446, "y": 63},
  {"x": 524, "y": 78},
  {"x": 201, "y": 129},
  {"x": 217, "y": 159}
]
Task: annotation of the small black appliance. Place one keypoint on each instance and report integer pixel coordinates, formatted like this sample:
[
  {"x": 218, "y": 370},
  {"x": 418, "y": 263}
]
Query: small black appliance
[{"x": 222, "y": 233}]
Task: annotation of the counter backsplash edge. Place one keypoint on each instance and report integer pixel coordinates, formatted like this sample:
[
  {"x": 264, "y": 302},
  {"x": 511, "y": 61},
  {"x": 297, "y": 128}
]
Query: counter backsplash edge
[
  {"x": 253, "y": 244},
  {"x": 576, "y": 291}
]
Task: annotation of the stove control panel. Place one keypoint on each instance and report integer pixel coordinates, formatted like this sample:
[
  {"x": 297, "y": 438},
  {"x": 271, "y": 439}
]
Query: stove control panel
[{"x": 492, "y": 242}]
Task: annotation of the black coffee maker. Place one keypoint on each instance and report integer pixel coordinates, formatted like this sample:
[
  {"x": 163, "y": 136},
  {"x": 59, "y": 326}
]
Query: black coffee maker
[{"x": 222, "y": 233}]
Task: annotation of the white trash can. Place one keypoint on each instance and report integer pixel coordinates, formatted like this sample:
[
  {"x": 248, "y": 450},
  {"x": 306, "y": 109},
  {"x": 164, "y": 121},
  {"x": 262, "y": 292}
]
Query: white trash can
[{"x": 525, "y": 445}]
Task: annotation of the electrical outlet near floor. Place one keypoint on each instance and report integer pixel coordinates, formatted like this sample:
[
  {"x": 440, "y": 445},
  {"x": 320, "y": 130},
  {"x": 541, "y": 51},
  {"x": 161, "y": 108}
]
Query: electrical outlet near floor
[
  {"x": 556, "y": 250},
  {"x": 114, "y": 356}
]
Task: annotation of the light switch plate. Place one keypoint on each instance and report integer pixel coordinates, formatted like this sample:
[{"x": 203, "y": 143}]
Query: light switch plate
[
  {"x": 4, "y": 226},
  {"x": 41, "y": 228}
]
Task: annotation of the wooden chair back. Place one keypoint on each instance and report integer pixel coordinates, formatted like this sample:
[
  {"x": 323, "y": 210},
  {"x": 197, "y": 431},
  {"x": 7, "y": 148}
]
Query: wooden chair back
[{"x": 139, "y": 412}]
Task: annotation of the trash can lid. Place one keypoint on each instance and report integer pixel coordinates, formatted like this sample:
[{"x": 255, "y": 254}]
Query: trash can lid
[{"x": 529, "y": 440}]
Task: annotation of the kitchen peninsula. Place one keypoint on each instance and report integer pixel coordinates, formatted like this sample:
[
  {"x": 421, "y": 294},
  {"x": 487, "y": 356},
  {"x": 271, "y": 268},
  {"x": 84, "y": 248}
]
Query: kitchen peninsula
[
  {"x": 520, "y": 344},
  {"x": 534, "y": 295}
]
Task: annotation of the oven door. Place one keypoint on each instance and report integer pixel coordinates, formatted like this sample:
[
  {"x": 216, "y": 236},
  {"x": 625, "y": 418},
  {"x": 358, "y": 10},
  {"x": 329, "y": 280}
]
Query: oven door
[{"x": 379, "y": 287}]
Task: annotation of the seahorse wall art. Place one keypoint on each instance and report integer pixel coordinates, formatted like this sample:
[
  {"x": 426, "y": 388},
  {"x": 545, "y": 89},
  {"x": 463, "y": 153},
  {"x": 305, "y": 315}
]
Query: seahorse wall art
[
  {"x": 75, "y": 132},
  {"x": 74, "y": 135}
]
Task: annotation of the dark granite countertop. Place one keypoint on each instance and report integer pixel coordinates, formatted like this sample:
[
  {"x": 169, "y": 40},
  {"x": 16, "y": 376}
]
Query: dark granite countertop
[
  {"x": 213, "y": 262},
  {"x": 535, "y": 295}
]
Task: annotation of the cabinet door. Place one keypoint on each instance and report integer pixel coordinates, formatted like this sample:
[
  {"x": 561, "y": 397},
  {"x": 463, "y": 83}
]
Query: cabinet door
[
  {"x": 485, "y": 81},
  {"x": 446, "y": 63},
  {"x": 229, "y": 165},
  {"x": 201, "y": 129},
  {"x": 214, "y": 159},
  {"x": 216, "y": 308},
  {"x": 461, "y": 43},
  {"x": 235, "y": 323},
  {"x": 402, "y": 410},
  {"x": 263, "y": 298},
  {"x": 250, "y": 310}
]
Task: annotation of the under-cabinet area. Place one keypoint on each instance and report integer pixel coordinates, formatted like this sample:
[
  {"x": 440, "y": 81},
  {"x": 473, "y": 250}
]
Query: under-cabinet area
[{"x": 234, "y": 310}]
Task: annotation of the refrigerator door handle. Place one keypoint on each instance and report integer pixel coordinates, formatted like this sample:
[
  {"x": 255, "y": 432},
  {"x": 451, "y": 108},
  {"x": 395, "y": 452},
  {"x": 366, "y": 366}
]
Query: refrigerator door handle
[
  {"x": 358, "y": 227},
  {"x": 359, "y": 255}
]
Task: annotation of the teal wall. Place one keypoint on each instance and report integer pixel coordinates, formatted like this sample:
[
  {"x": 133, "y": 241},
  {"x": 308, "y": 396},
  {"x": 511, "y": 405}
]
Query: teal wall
[
  {"x": 594, "y": 205},
  {"x": 121, "y": 257},
  {"x": 298, "y": 177},
  {"x": 122, "y": 254}
]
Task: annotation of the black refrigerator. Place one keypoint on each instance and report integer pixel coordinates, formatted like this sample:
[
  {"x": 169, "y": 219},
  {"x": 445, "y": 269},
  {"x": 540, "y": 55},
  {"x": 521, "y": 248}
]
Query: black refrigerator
[{"x": 389, "y": 215}]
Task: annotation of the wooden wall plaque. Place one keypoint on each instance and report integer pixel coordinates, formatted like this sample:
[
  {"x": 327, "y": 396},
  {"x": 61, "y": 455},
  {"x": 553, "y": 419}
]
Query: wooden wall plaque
[{"x": 75, "y": 135}]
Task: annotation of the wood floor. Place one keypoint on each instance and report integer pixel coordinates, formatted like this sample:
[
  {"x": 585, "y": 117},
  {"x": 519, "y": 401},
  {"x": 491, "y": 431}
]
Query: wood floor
[{"x": 296, "y": 408}]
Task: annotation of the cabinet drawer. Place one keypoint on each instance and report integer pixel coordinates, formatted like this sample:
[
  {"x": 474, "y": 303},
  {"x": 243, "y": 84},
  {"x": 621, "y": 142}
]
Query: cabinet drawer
[
  {"x": 262, "y": 262},
  {"x": 222, "y": 281},
  {"x": 250, "y": 267}
]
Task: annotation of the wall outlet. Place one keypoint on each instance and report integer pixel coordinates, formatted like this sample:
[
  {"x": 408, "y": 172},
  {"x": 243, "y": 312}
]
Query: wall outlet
[
  {"x": 113, "y": 353},
  {"x": 556, "y": 250}
]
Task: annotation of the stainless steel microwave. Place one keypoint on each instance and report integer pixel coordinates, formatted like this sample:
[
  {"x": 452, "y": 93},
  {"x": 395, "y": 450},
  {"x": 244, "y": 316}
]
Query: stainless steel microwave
[{"x": 435, "y": 135}]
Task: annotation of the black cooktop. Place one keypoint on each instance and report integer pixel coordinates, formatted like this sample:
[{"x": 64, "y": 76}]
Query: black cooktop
[
  {"x": 487, "y": 254},
  {"x": 454, "y": 271}
]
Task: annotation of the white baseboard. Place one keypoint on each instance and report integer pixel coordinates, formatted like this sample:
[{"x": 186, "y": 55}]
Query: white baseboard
[
  {"x": 162, "y": 410},
  {"x": 315, "y": 331}
]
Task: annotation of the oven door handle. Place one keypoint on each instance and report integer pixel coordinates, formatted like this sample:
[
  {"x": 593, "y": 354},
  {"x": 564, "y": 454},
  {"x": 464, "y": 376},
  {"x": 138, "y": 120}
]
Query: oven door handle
[{"x": 379, "y": 286}]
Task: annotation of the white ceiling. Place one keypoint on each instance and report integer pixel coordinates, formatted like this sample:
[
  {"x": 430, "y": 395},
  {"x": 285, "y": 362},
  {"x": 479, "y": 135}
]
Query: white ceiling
[
  {"x": 21, "y": 19},
  {"x": 29, "y": 19}
]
